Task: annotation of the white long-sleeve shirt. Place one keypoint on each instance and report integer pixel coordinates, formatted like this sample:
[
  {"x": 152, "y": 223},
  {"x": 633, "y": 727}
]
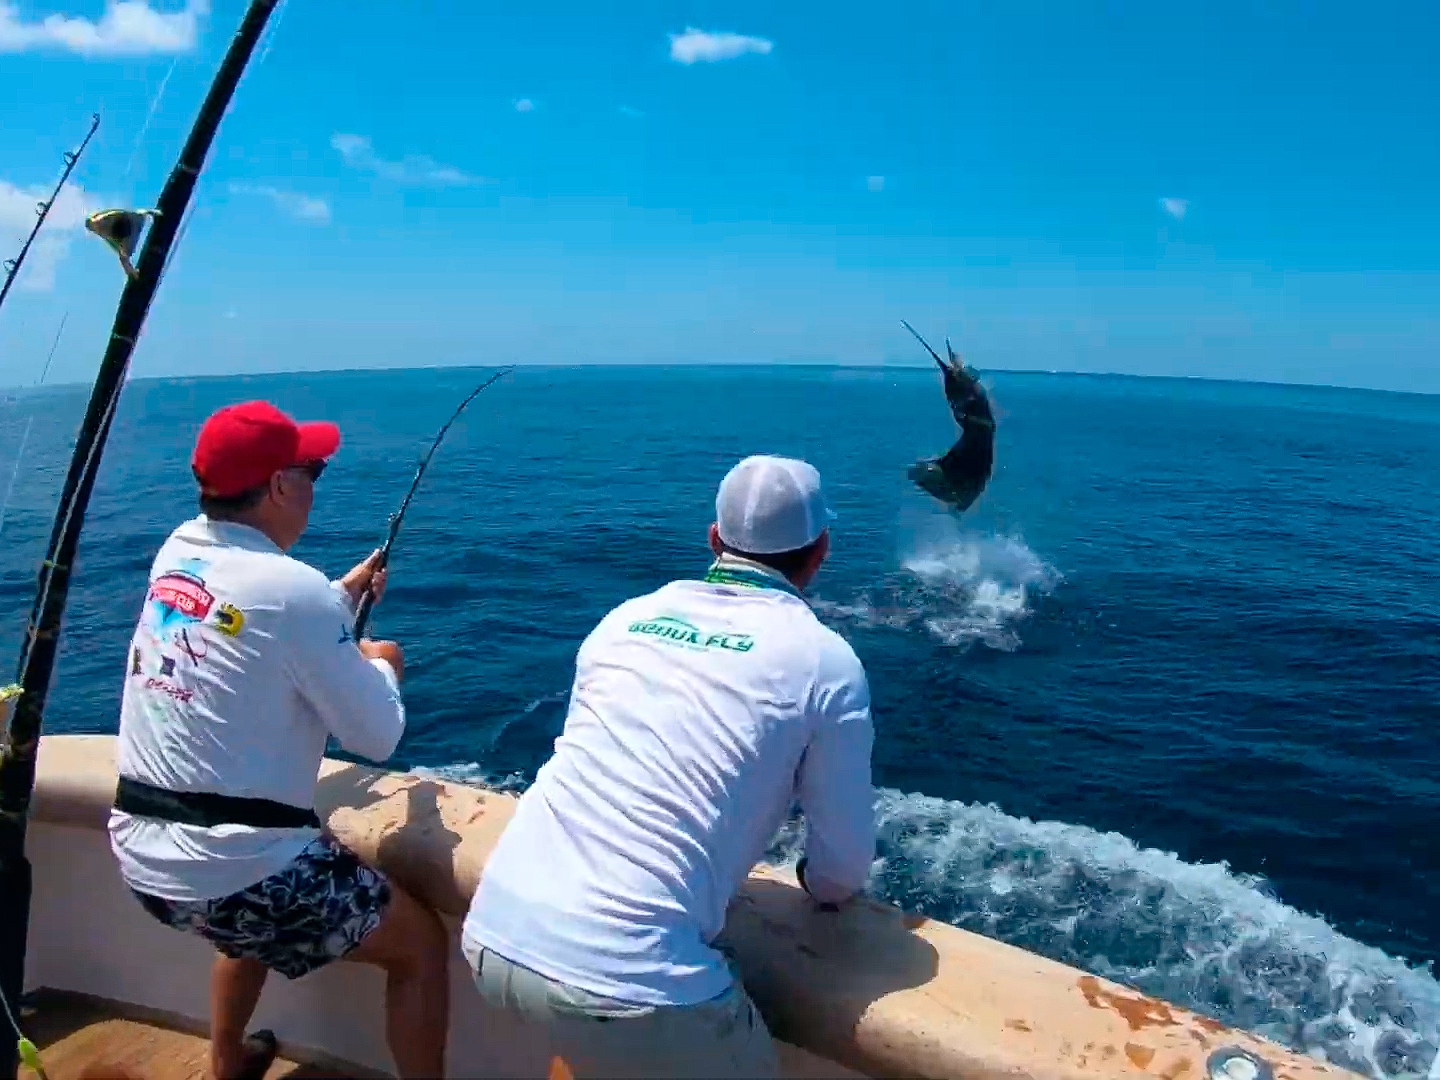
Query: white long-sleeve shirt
[
  {"x": 241, "y": 665},
  {"x": 699, "y": 714}
]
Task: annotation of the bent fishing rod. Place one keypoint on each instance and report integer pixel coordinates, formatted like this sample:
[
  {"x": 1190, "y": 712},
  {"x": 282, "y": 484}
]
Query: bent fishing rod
[
  {"x": 42, "y": 210},
  {"x": 42, "y": 638},
  {"x": 367, "y": 602}
]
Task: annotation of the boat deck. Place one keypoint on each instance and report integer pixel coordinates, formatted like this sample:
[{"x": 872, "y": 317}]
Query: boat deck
[
  {"x": 88, "y": 1038},
  {"x": 81, "y": 1037}
]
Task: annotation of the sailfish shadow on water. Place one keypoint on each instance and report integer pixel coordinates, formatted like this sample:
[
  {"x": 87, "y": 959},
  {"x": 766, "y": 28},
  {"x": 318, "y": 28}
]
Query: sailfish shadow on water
[{"x": 960, "y": 475}]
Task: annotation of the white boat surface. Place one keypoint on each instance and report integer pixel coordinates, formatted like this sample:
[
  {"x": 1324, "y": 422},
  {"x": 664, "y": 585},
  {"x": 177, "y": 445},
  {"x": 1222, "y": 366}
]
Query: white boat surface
[{"x": 869, "y": 991}]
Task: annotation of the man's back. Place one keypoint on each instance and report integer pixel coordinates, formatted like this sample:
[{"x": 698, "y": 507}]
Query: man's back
[
  {"x": 237, "y": 673},
  {"x": 698, "y": 713}
]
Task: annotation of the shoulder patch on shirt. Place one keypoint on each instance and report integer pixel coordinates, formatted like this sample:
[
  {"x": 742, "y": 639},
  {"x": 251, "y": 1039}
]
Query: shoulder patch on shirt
[
  {"x": 229, "y": 620},
  {"x": 180, "y": 596},
  {"x": 673, "y": 630}
]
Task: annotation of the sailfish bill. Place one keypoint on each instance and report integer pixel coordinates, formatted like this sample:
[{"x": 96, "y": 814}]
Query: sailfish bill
[
  {"x": 958, "y": 477},
  {"x": 120, "y": 229}
]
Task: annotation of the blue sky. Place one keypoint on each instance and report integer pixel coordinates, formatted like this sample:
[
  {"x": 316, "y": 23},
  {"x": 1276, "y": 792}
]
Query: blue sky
[{"x": 1232, "y": 191}]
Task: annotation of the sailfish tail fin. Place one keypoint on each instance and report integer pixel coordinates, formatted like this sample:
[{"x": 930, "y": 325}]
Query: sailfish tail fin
[{"x": 121, "y": 230}]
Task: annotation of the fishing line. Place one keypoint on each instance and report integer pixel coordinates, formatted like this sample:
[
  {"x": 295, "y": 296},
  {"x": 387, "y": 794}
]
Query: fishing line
[
  {"x": 53, "y": 346},
  {"x": 269, "y": 39},
  {"x": 29, "y": 422},
  {"x": 149, "y": 116},
  {"x": 49, "y": 566},
  {"x": 368, "y": 600},
  {"x": 28, "y": 1052},
  {"x": 275, "y": 22},
  {"x": 15, "y": 472},
  {"x": 26, "y": 1049},
  {"x": 175, "y": 248}
]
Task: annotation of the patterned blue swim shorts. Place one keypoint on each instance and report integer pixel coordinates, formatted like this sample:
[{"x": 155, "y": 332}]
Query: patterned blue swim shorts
[{"x": 315, "y": 910}]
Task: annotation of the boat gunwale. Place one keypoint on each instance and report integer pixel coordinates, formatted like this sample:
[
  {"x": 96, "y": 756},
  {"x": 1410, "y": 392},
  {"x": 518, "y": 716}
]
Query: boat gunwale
[{"x": 870, "y": 988}]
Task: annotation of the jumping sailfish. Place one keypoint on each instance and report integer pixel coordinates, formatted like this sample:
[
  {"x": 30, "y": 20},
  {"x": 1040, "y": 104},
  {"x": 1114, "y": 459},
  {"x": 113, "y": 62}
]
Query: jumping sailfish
[{"x": 958, "y": 478}]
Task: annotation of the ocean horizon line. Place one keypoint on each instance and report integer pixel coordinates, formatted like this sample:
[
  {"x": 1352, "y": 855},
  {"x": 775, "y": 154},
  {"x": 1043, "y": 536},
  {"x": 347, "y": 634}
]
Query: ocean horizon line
[{"x": 31, "y": 389}]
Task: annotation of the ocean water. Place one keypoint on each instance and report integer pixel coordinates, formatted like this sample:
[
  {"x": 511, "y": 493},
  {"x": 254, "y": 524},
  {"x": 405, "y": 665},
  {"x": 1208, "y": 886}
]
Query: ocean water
[{"x": 1162, "y": 705}]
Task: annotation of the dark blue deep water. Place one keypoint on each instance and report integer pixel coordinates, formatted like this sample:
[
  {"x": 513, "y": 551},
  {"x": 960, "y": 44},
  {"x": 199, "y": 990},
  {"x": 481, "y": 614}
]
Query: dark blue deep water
[{"x": 1163, "y": 705}]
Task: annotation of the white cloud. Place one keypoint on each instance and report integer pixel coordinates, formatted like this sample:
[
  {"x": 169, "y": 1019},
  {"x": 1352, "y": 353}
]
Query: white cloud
[
  {"x": 304, "y": 207},
  {"x": 524, "y": 105},
  {"x": 699, "y": 45},
  {"x": 631, "y": 112},
  {"x": 411, "y": 169},
  {"x": 875, "y": 183},
  {"x": 127, "y": 28},
  {"x": 1175, "y": 207},
  {"x": 65, "y": 222}
]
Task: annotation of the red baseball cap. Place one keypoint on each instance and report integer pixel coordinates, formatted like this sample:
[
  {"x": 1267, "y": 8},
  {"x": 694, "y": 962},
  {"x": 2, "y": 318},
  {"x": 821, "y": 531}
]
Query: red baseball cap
[{"x": 242, "y": 446}]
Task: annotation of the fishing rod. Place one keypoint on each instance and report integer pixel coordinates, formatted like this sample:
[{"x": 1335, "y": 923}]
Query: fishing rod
[
  {"x": 42, "y": 210},
  {"x": 368, "y": 600},
  {"x": 42, "y": 638}
]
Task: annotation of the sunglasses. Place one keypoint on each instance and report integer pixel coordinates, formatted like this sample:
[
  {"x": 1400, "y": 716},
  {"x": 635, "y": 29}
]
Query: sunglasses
[{"x": 312, "y": 469}]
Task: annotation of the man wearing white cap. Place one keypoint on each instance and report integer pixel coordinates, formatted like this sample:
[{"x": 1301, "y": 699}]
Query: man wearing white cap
[{"x": 698, "y": 715}]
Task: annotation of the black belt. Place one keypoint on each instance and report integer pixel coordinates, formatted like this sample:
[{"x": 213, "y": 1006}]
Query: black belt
[{"x": 208, "y": 809}]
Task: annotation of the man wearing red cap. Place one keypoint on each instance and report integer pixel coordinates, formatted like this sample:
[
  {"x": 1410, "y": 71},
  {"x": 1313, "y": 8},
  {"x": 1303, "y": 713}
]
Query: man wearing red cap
[{"x": 241, "y": 666}]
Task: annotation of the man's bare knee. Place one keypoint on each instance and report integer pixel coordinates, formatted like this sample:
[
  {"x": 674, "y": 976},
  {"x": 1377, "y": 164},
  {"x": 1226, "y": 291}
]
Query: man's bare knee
[{"x": 410, "y": 939}]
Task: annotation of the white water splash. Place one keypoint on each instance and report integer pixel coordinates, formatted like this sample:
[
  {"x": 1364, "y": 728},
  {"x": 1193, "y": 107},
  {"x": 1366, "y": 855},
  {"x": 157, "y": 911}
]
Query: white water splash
[
  {"x": 477, "y": 775},
  {"x": 473, "y": 774},
  {"x": 959, "y": 588},
  {"x": 1194, "y": 934}
]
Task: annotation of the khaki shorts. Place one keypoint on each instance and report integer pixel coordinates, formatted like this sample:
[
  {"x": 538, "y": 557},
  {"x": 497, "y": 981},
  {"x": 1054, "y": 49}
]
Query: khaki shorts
[{"x": 602, "y": 1037}]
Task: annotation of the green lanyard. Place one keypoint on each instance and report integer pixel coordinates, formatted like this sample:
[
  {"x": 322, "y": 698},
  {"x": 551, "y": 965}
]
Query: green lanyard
[{"x": 750, "y": 579}]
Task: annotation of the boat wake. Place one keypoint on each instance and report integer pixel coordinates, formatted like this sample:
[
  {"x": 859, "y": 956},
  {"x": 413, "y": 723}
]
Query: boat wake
[
  {"x": 960, "y": 589},
  {"x": 1196, "y": 935}
]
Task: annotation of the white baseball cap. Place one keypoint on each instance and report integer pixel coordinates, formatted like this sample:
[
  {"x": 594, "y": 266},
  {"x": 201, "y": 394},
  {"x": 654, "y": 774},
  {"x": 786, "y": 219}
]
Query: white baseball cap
[{"x": 767, "y": 505}]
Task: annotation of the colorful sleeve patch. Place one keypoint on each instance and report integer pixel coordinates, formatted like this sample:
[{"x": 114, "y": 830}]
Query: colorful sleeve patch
[
  {"x": 181, "y": 596},
  {"x": 229, "y": 620}
]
